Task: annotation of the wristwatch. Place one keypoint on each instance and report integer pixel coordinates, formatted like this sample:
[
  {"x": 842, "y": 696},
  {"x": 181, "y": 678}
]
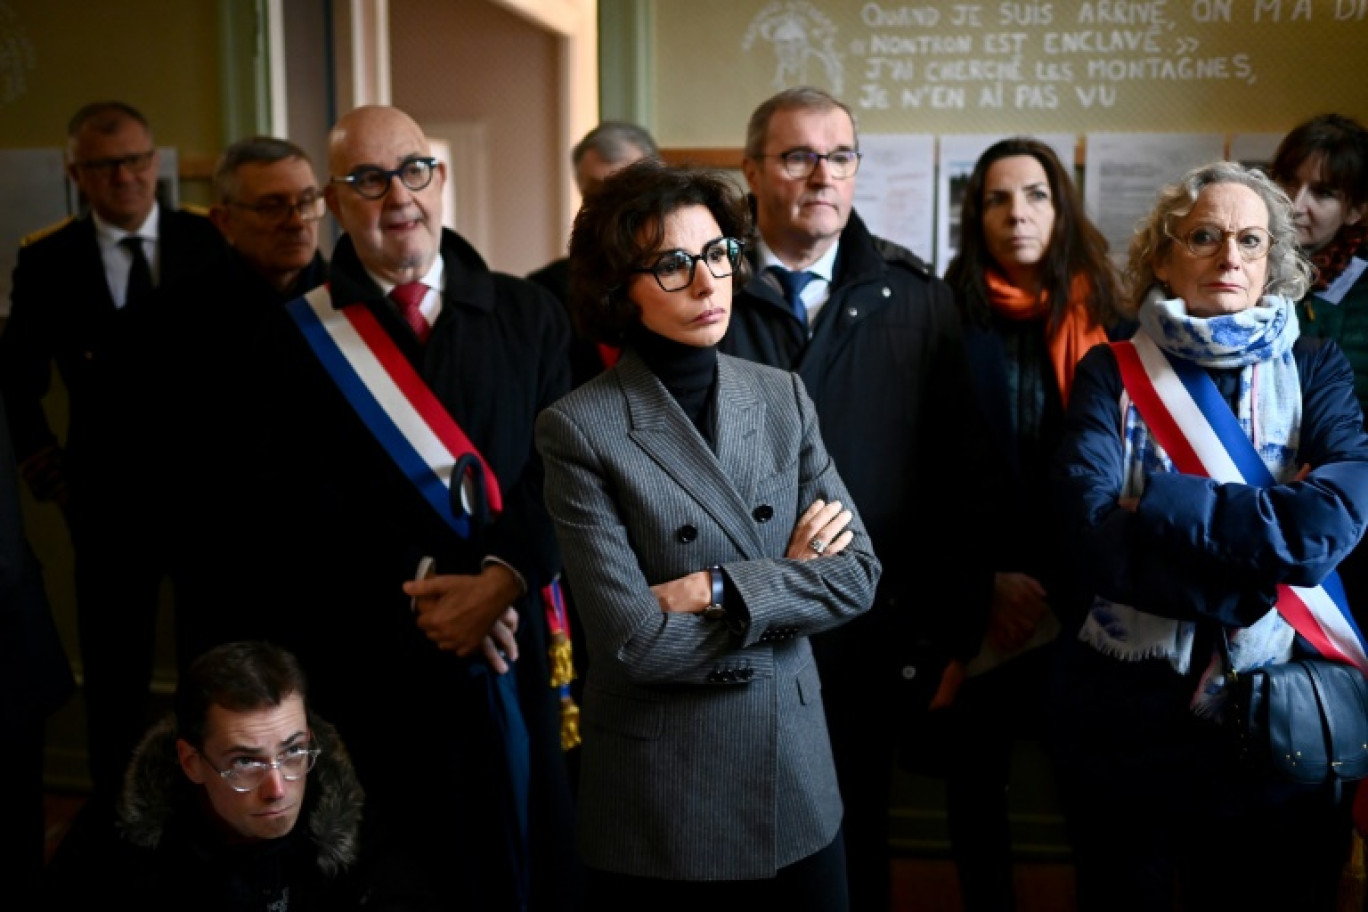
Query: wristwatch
[{"x": 715, "y": 610}]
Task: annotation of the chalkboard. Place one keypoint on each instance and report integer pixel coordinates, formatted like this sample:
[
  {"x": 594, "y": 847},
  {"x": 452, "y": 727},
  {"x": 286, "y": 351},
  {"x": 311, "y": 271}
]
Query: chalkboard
[{"x": 1197, "y": 66}]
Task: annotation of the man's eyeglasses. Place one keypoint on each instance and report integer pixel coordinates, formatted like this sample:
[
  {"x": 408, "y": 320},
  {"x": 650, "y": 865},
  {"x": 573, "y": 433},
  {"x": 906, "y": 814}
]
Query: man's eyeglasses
[
  {"x": 245, "y": 774},
  {"x": 674, "y": 269},
  {"x": 135, "y": 163},
  {"x": 310, "y": 207},
  {"x": 1205, "y": 240},
  {"x": 373, "y": 182},
  {"x": 799, "y": 163}
]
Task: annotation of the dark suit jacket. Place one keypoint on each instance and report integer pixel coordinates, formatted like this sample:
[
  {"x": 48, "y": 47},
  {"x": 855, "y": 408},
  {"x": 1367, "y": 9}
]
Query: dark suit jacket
[
  {"x": 181, "y": 370},
  {"x": 62, "y": 312},
  {"x": 706, "y": 754}
]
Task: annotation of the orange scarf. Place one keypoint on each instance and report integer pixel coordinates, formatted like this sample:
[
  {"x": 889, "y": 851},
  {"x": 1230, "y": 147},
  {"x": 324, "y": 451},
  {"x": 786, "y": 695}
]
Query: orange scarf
[{"x": 1076, "y": 334}]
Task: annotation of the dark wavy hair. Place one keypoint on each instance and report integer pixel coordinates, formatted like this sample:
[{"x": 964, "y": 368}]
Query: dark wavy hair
[
  {"x": 1342, "y": 141},
  {"x": 623, "y": 223},
  {"x": 240, "y": 677},
  {"x": 1075, "y": 245}
]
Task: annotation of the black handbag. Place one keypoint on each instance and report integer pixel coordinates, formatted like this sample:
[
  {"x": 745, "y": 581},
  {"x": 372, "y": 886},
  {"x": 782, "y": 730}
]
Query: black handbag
[{"x": 1306, "y": 719}]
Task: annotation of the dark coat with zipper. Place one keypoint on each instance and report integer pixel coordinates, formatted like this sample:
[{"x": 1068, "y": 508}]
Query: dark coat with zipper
[{"x": 887, "y": 370}]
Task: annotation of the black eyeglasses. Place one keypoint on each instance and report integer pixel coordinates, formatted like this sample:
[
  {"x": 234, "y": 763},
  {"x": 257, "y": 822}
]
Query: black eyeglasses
[
  {"x": 373, "y": 182},
  {"x": 310, "y": 207},
  {"x": 137, "y": 162},
  {"x": 799, "y": 163},
  {"x": 1205, "y": 240},
  {"x": 674, "y": 269},
  {"x": 246, "y": 774}
]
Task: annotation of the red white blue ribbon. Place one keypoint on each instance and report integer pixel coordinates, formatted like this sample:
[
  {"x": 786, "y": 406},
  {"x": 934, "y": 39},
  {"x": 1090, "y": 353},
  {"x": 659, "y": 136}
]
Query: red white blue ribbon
[
  {"x": 395, "y": 403},
  {"x": 1190, "y": 420}
]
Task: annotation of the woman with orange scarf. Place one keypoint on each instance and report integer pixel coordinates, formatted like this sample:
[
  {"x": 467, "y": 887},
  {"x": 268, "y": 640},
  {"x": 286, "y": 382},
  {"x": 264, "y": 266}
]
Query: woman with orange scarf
[{"x": 1035, "y": 290}]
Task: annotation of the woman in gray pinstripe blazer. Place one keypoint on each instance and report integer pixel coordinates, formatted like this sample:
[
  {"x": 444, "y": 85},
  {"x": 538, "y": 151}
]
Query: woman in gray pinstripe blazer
[{"x": 692, "y": 494}]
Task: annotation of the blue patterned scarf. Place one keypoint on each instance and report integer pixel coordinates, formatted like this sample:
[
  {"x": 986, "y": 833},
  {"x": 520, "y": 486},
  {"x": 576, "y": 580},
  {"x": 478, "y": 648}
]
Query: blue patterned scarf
[{"x": 1258, "y": 341}]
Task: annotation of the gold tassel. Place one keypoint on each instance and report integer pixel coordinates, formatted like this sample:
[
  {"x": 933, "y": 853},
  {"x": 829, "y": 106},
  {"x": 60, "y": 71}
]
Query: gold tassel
[
  {"x": 570, "y": 731},
  {"x": 562, "y": 660},
  {"x": 562, "y": 673}
]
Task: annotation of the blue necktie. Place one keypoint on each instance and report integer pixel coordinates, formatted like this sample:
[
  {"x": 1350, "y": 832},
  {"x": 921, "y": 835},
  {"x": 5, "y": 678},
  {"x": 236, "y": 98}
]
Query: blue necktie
[{"x": 793, "y": 284}]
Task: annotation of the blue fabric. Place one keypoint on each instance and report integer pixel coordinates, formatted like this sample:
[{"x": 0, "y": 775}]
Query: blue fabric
[
  {"x": 793, "y": 284},
  {"x": 505, "y": 713}
]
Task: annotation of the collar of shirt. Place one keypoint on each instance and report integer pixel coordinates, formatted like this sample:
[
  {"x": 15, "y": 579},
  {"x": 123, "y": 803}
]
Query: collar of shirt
[
  {"x": 115, "y": 258},
  {"x": 434, "y": 279},
  {"x": 818, "y": 291}
]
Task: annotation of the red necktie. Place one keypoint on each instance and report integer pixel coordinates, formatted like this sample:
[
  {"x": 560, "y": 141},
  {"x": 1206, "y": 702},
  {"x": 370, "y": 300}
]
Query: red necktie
[{"x": 409, "y": 296}]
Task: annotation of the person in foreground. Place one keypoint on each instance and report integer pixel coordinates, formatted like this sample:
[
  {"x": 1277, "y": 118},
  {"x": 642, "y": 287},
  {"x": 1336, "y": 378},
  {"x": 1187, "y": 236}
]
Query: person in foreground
[
  {"x": 692, "y": 495},
  {"x": 1154, "y": 793},
  {"x": 398, "y": 405},
  {"x": 1036, "y": 290},
  {"x": 241, "y": 799}
]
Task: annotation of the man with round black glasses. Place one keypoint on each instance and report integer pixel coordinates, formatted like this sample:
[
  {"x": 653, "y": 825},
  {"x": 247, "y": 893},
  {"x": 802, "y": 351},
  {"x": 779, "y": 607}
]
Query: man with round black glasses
[{"x": 240, "y": 799}]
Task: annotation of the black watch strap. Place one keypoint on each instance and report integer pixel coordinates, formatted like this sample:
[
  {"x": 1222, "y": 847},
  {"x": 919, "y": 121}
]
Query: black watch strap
[{"x": 716, "y": 610}]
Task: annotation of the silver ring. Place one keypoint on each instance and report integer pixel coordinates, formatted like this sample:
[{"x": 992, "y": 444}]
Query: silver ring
[{"x": 817, "y": 545}]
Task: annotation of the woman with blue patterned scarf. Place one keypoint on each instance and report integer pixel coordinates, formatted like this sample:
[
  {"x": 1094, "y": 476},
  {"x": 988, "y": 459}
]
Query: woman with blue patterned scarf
[{"x": 1159, "y": 808}]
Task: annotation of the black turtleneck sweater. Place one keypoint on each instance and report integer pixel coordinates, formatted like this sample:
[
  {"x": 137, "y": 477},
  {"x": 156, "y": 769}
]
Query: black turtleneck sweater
[{"x": 689, "y": 373}]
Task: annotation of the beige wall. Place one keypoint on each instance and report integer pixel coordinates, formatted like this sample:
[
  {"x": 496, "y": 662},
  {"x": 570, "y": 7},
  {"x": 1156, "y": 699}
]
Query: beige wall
[
  {"x": 160, "y": 57},
  {"x": 468, "y": 60}
]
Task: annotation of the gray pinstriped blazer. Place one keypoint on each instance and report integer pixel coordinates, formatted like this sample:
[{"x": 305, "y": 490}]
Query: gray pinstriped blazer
[{"x": 706, "y": 755}]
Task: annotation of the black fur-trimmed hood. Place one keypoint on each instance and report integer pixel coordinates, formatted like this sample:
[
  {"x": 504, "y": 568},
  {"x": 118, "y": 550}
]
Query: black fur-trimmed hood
[{"x": 157, "y": 798}]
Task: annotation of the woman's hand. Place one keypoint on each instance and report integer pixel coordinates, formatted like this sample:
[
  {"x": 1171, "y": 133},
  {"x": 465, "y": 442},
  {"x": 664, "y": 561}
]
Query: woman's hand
[
  {"x": 821, "y": 524},
  {"x": 687, "y": 595}
]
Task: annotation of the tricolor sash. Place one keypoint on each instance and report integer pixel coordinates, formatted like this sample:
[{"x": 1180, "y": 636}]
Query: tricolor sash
[
  {"x": 399, "y": 409},
  {"x": 1187, "y": 416}
]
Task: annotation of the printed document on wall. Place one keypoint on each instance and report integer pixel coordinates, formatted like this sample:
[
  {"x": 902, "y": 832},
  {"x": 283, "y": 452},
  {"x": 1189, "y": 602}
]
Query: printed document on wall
[
  {"x": 1126, "y": 170},
  {"x": 895, "y": 191}
]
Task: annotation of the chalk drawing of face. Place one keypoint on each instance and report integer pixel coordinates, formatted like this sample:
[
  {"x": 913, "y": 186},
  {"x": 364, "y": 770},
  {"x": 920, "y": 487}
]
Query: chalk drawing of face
[{"x": 800, "y": 35}]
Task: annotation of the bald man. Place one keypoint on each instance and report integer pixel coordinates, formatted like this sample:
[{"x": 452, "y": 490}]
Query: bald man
[{"x": 402, "y": 400}]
